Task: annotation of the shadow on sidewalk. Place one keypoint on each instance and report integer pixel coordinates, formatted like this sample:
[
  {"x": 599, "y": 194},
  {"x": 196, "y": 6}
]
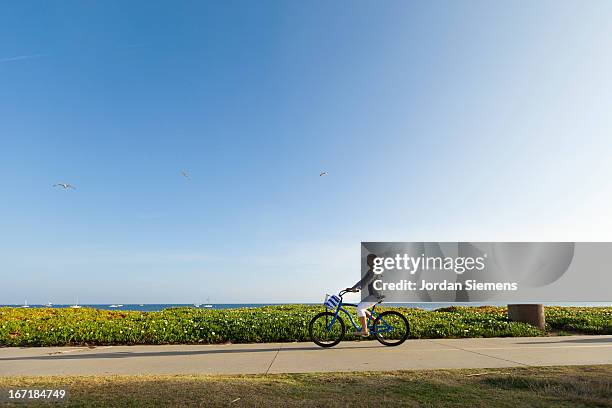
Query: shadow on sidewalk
[{"x": 91, "y": 354}]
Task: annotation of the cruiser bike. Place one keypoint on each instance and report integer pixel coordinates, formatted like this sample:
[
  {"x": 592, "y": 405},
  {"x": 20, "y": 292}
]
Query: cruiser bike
[{"x": 327, "y": 328}]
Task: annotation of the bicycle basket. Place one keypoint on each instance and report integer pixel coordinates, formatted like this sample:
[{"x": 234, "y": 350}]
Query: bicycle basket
[{"x": 331, "y": 302}]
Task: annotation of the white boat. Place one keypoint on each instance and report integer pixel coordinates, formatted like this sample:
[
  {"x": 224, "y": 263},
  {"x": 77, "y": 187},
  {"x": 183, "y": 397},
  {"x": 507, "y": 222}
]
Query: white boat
[
  {"x": 196, "y": 305},
  {"x": 116, "y": 306},
  {"x": 25, "y": 304},
  {"x": 208, "y": 305},
  {"x": 76, "y": 305},
  {"x": 49, "y": 304}
]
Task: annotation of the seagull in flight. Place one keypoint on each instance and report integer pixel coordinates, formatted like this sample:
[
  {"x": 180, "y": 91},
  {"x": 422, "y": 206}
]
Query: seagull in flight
[
  {"x": 65, "y": 186},
  {"x": 323, "y": 173},
  {"x": 184, "y": 174}
]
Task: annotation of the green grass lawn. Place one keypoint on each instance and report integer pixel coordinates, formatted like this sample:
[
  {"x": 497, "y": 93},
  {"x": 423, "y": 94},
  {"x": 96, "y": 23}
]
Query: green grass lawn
[
  {"x": 579, "y": 386},
  {"x": 60, "y": 327}
]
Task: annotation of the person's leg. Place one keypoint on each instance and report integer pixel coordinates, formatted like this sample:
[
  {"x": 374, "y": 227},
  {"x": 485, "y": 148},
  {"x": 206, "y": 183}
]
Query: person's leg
[
  {"x": 364, "y": 325},
  {"x": 363, "y": 317}
]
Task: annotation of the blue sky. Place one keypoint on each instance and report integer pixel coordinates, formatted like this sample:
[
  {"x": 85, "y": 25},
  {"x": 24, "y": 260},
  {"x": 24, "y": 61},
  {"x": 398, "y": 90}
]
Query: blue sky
[{"x": 435, "y": 120}]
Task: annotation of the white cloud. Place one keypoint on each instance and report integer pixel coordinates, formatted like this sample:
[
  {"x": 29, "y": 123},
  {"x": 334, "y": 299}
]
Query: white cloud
[{"x": 22, "y": 57}]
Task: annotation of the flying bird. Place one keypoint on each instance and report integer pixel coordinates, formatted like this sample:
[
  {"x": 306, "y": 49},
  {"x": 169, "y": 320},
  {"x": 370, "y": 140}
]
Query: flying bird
[
  {"x": 185, "y": 175},
  {"x": 65, "y": 186},
  {"x": 323, "y": 173}
]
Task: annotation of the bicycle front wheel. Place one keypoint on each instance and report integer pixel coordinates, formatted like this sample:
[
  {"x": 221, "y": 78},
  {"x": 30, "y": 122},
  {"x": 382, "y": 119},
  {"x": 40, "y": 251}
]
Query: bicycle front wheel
[
  {"x": 391, "y": 328},
  {"x": 326, "y": 329}
]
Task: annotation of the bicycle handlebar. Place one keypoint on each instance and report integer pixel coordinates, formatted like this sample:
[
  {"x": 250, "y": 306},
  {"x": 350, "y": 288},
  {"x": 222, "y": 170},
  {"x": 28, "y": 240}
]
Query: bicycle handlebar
[{"x": 344, "y": 291}]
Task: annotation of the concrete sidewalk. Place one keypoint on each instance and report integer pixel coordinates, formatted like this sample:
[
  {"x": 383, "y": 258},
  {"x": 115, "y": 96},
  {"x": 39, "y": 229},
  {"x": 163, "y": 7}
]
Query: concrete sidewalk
[{"x": 307, "y": 357}]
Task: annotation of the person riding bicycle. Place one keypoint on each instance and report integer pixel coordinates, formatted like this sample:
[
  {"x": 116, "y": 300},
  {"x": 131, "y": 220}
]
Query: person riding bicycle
[{"x": 372, "y": 296}]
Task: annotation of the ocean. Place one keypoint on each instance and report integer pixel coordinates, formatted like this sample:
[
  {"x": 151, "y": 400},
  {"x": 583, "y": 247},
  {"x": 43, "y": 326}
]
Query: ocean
[{"x": 149, "y": 307}]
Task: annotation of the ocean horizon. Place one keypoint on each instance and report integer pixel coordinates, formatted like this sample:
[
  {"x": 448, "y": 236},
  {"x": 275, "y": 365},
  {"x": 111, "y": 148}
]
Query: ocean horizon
[{"x": 156, "y": 307}]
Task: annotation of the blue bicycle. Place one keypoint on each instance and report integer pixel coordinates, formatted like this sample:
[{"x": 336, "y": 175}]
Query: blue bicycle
[{"x": 327, "y": 328}]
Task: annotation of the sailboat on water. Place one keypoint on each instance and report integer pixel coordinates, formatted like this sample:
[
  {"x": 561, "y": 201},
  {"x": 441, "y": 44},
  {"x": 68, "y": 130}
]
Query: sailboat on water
[
  {"x": 76, "y": 304},
  {"x": 208, "y": 305},
  {"x": 25, "y": 304}
]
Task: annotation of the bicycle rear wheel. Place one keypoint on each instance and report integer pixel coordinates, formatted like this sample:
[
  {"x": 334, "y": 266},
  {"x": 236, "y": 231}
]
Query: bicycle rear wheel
[
  {"x": 326, "y": 329},
  {"x": 391, "y": 328}
]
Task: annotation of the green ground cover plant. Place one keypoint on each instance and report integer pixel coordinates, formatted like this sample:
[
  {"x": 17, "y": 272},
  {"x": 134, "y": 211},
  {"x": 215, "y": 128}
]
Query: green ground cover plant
[
  {"x": 287, "y": 323},
  {"x": 585, "y": 320}
]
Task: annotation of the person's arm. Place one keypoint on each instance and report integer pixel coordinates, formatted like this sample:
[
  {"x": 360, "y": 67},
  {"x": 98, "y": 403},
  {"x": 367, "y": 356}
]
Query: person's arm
[
  {"x": 363, "y": 281},
  {"x": 356, "y": 287}
]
